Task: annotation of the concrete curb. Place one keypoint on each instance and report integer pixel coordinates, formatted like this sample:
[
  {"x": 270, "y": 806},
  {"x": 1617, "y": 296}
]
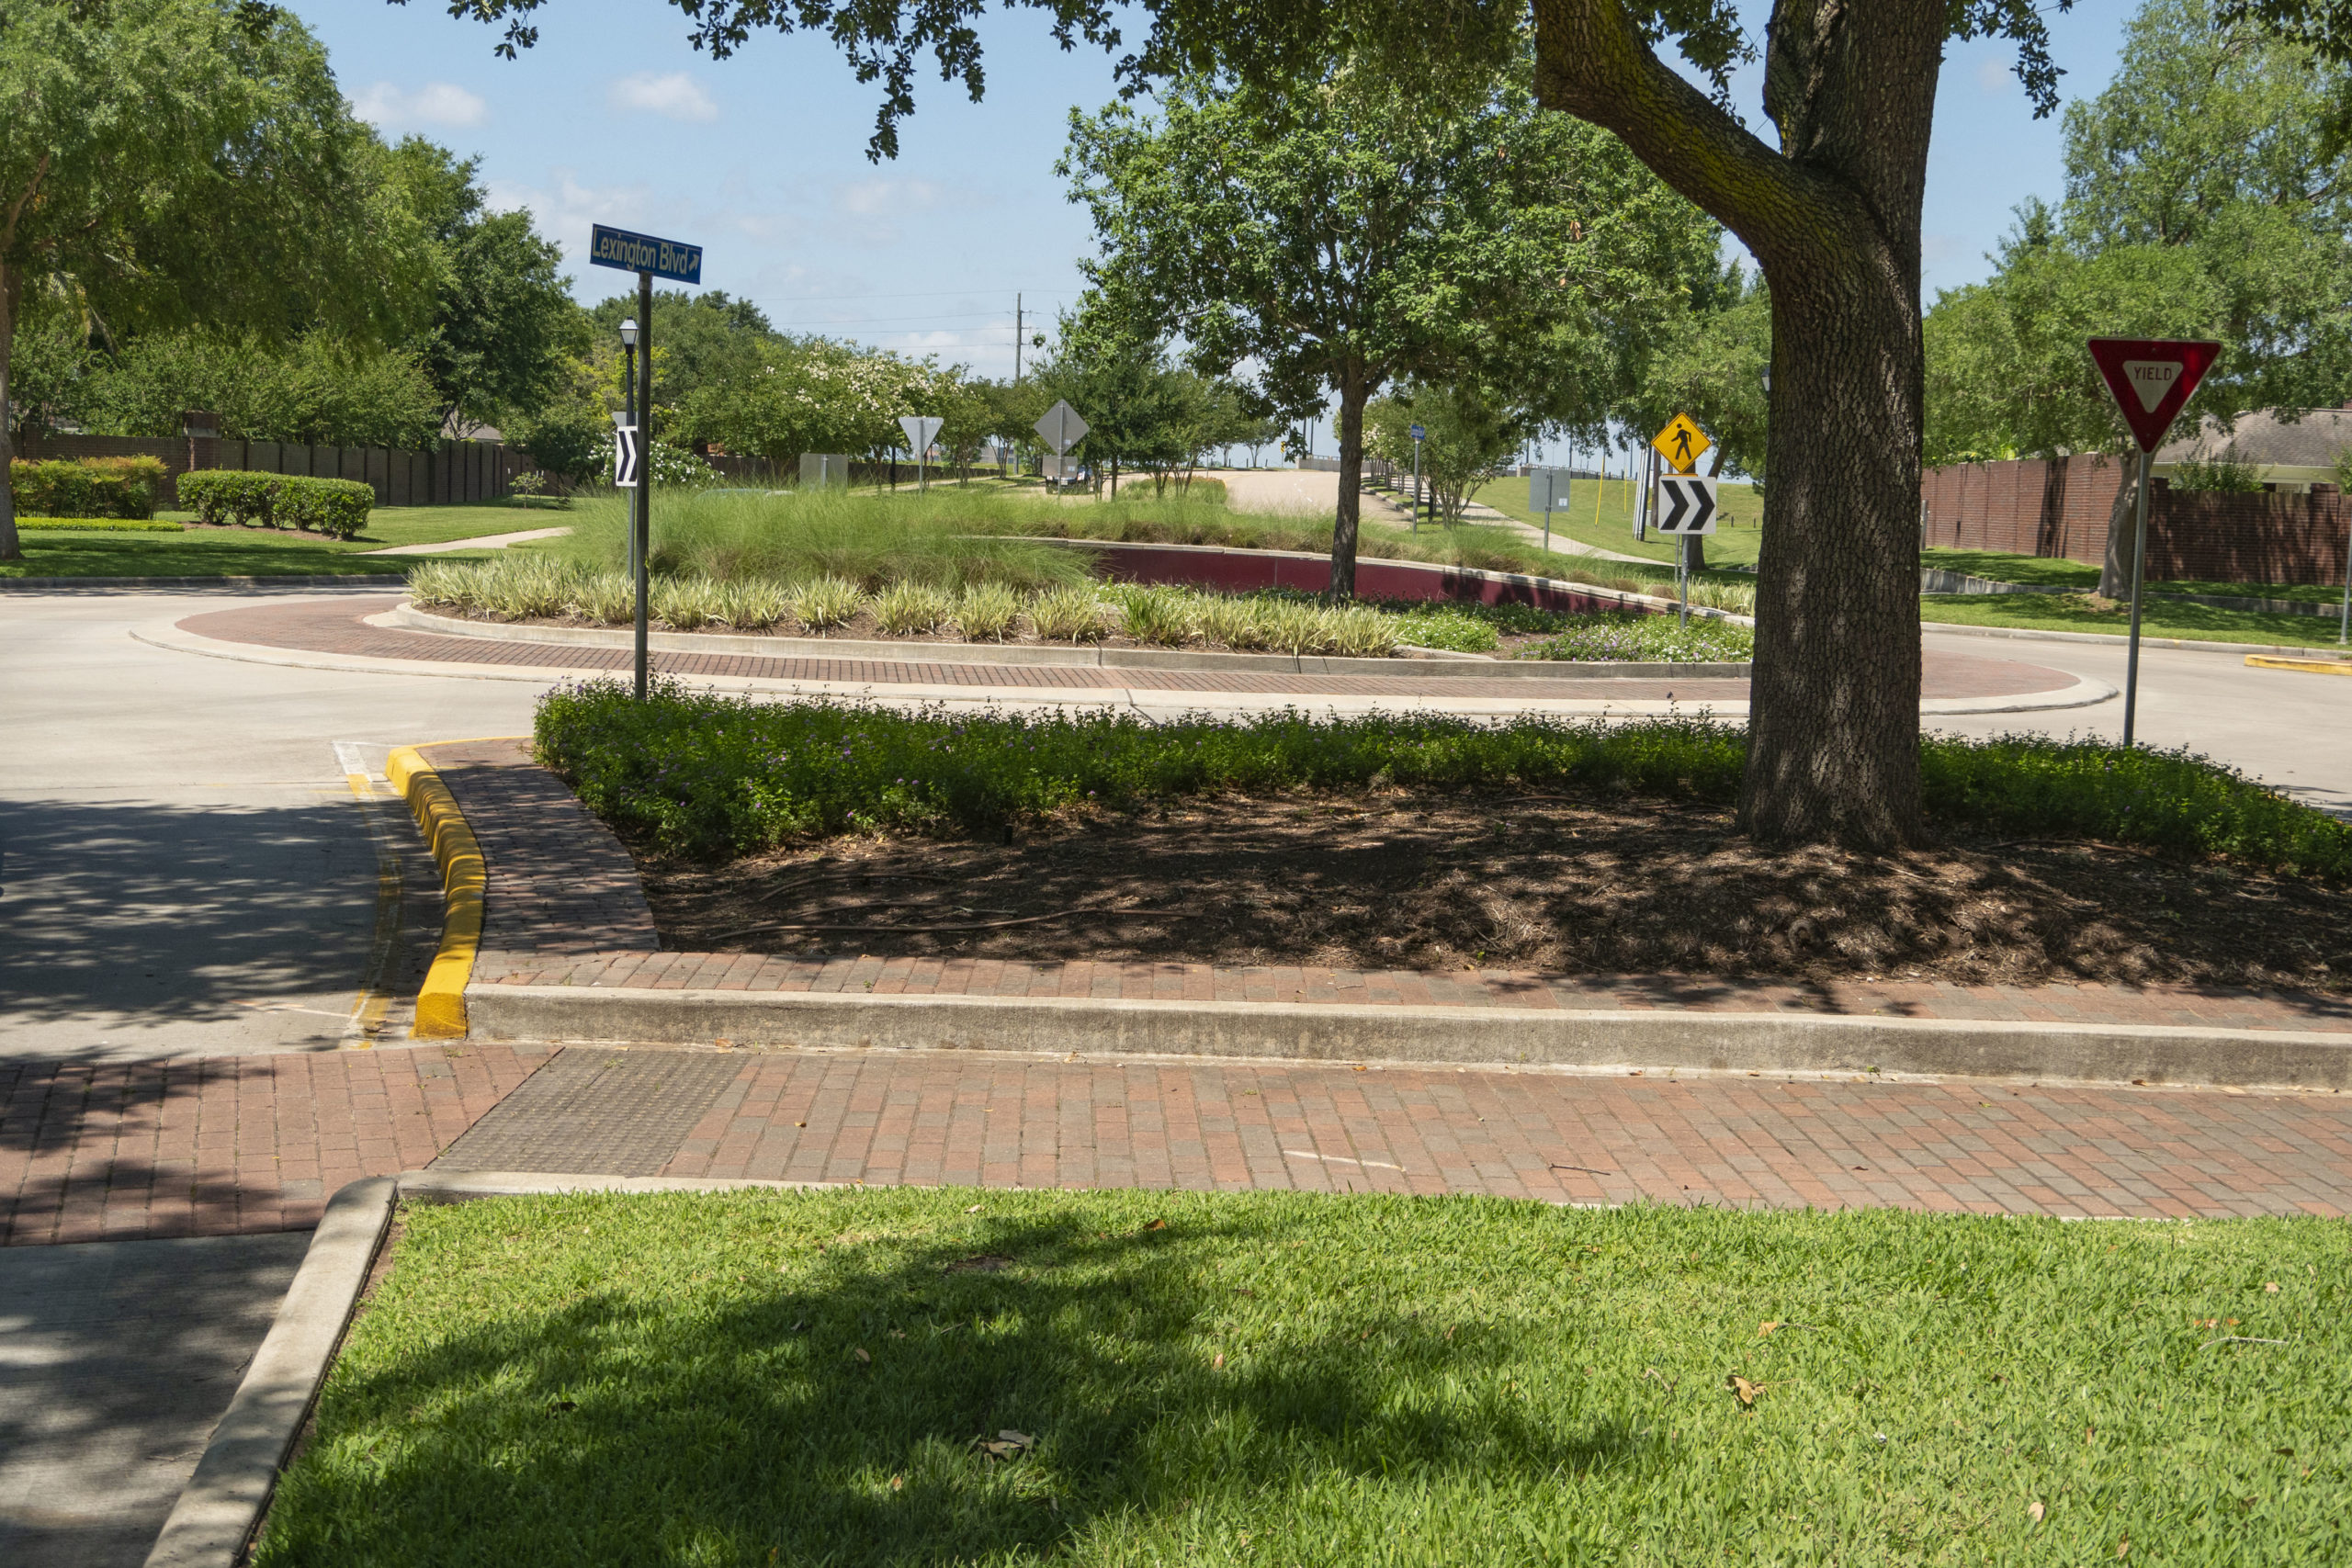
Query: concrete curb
[
  {"x": 1661, "y": 1038},
  {"x": 242, "y": 584},
  {"x": 1443, "y": 664},
  {"x": 2309, "y": 666},
  {"x": 223, "y": 1501},
  {"x": 441, "y": 1001},
  {"x": 2023, "y": 634}
]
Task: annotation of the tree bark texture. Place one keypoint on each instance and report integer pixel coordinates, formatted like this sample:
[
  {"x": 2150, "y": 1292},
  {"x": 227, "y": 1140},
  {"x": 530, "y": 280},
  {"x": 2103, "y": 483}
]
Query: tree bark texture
[
  {"x": 2115, "y": 562},
  {"x": 1833, "y": 217},
  {"x": 1353, "y": 393},
  {"x": 11, "y": 293}
]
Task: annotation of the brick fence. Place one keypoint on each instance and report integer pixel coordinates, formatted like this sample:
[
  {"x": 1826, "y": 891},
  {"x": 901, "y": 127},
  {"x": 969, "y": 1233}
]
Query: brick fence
[
  {"x": 2061, "y": 508},
  {"x": 452, "y": 473}
]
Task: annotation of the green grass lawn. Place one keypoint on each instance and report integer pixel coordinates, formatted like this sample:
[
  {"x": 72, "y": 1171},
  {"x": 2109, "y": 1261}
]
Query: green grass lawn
[
  {"x": 1738, "y": 533},
  {"x": 267, "y": 552},
  {"x": 2040, "y": 570},
  {"x": 956, "y": 1376},
  {"x": 2158, "y": 618}
]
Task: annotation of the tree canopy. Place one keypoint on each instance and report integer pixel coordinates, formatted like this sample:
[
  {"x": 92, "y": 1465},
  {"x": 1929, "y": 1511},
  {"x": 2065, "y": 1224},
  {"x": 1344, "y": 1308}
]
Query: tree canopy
[{"x": 165, "y": 161}]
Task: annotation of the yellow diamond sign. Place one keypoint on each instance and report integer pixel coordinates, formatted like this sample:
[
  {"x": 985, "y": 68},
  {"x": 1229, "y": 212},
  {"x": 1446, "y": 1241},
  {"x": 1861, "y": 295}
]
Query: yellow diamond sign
[{"x": 1681, "y": 442}]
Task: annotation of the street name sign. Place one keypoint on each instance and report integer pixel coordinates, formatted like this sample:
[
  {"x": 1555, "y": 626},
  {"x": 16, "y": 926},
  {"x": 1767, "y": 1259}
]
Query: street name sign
[
  {"x": 2150, "y": 379},
  {"x": 1060, "y": 428},
  {"x": 1681, "y": 442},
  {"x": 1686, "y": 505},
  {"x": 1419, "y": 433},
  {"x": 922, "y": 431},
  {"x": 626, "y": 456},
  {"x": 673, "y": 259}
]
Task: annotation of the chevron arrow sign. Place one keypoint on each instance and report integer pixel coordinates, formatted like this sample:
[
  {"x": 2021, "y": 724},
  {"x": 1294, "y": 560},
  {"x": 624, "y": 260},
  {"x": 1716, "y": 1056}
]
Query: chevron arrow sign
[{"x": 1686, "y": 505}]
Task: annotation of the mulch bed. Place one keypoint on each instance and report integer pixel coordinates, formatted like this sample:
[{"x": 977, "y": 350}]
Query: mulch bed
[{"x": 1422, "y": 881}]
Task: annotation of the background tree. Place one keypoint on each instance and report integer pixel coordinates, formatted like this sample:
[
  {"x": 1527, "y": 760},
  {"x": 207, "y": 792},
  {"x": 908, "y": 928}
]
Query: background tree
[
  {"x": 706, "y": 341},
  {"x": 175, "y": 161},
  {"x": 318, "y": 388},
  {"x": 2204, "y": 199},
  {"x": 1466, "y": 434},
  {"x": 503, "y": 323},
  {"x": 1352, "y": 232}
]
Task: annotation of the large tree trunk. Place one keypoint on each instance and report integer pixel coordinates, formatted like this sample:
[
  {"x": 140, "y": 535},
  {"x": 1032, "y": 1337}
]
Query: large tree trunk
[
  {"x": 11, "y": 291},
  {"x": 2122, "y": 523},
  {"x": 1833, "y": 216},
  {"x": 1353, "y": 392}
]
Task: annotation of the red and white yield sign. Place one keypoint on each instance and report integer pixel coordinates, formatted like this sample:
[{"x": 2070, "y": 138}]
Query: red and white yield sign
[{"x": 2151, "y": 378}]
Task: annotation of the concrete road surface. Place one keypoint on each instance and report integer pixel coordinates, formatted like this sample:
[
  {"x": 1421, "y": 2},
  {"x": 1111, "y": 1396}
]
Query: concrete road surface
[{"x": 116, "y": 1359}]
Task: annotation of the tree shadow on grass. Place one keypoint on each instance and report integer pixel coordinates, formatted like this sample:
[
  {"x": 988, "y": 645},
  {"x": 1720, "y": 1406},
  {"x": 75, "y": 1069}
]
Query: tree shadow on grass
[{"x": 613, "y": 1430}]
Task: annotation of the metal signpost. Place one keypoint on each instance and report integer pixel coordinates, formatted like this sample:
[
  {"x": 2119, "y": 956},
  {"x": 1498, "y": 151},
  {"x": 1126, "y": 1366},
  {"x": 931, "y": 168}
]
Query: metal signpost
[
  {"x": 1060, "y": 428},
  {"x": 649, "y": 258},
  {"x": 922, "y": 431},
  {"x": 2150, "y": 379},
  {"x": 1547, "y": 491},
  {"x": 1418, "y": 433}
]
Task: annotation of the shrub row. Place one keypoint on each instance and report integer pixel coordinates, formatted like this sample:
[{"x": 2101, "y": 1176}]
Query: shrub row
[
  {"x": 87, "y": 487},
  {"x": 337, "y": 508},
  {"x": 708, "y": 775}
]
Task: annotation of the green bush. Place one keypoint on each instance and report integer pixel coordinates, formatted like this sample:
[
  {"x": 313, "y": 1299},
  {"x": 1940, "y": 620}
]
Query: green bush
[
  {"x": 703, "y": 775},
  {"x": 337, "y": 508},
  {"x": 87, "y": 487}
]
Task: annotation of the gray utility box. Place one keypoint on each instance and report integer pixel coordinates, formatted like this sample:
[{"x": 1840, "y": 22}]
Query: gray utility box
[{"x": 819, "y": 469}]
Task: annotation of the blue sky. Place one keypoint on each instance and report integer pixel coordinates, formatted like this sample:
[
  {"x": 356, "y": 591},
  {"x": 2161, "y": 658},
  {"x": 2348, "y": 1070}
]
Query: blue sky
[{"x": 761, "y": 158}]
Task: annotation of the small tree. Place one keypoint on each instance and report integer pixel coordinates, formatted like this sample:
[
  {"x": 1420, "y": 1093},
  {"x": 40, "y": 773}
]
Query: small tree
[{"x": 1465, "y": 435}]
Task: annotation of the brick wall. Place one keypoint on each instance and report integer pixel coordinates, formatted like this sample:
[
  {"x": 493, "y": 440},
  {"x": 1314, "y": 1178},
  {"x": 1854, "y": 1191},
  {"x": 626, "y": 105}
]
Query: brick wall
[
  {"x": 453, "y": 473},
  {"x": 2061, "y": 508}
]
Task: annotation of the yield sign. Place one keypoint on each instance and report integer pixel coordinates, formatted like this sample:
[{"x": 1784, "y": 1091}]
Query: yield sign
[
  {"x": 922, "y": 431},
  {"x": 1686, "y": 505},
  {"x": 1061, "y": 428},
  {"x": 2151, "y": 378},
  {"x": 1681, "y": 442}
]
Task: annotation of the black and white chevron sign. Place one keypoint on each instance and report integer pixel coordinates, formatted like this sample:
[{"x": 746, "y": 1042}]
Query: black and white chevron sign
[
  {"x": 627, "y": 457},
  {"x": 1686, "y": 505}
]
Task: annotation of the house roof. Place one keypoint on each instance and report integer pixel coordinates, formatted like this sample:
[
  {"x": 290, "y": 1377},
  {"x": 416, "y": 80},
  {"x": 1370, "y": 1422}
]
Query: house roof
[{"x": 2298, "y": 438}]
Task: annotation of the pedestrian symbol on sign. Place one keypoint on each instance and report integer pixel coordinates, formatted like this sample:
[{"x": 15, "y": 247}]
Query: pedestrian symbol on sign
[{"x": 1681, "y": 442}]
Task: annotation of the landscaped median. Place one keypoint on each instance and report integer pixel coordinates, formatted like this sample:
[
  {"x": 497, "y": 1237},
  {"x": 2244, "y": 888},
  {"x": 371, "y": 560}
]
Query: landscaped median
[{"x": 990, "y": 1376}]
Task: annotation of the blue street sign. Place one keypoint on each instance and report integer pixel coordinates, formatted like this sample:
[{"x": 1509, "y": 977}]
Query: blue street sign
[
  {"x": 1418, "y": 432},
  {"x": 673, "y": 259}
]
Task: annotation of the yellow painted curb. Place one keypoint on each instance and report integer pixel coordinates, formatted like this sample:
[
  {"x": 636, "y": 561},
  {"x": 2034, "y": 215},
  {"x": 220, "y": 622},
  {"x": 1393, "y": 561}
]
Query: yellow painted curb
[
  {"x": 2309, "y": 666},
  {"x": 441, "y": 1003}
]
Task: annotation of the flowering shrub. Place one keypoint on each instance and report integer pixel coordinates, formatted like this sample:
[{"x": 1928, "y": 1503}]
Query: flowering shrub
[{"x": 708, "y": 776}]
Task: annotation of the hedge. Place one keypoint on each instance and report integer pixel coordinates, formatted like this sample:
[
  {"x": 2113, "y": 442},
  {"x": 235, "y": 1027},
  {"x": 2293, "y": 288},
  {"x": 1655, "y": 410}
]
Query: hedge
[
  {"x": 337, "y": 508},
  {"x": 87, "y": 487}
]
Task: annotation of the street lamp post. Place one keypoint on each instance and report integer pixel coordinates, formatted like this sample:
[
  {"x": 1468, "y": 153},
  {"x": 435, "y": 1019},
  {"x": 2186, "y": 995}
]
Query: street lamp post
[{"x": 628, "y": 396}]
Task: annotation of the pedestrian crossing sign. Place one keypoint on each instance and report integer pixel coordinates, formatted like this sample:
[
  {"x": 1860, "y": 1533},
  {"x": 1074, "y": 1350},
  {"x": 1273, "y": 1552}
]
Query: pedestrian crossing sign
[{"x": 1681, "y": 442}]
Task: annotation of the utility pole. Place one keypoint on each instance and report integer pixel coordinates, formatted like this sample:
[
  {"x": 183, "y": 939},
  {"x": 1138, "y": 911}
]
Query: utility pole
[{"x": 1016, "y": 339}]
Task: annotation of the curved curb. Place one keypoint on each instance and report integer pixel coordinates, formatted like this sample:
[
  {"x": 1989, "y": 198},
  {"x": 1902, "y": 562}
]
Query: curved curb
[
  {"x": 410, "y": 617},
  {"x": 441, "y": 1001},
  {"x": 2110, "y": 639},
  {"x": 222, "y": 1504},
  {"x": 357, "y": 581},
  {"x": 2308, "y": 666}
]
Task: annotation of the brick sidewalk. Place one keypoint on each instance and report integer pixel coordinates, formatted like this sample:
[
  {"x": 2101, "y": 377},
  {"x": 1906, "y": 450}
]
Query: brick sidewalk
[
  {"x": 219, "y": 1145},
  {"x": 339, "y": 625}
]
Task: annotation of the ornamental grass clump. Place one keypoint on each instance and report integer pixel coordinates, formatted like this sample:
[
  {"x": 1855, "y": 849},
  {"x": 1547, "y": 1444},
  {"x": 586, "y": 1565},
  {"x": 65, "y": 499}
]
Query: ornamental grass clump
[
  {"x": 1642, "y": 638},
  {"x": 682, "y": 603},
  {"x": 910, "y": 609},
  {"x": 753, "y": 605},
  {"x": 1068, "y": 614},
  {"x": 826, "y": 604},
  {"x": 989, "y": 612},
  {"x": 1165, "y": 618}
]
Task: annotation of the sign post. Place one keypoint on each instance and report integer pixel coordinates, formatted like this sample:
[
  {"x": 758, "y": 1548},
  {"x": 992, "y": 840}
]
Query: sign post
[
  {"x": 649, "y": 258},
  {"x": 1418, "y": 433},
  {"x": 1681, "y": 444},
  {"x": 2150, "y": 379},
  {"x": 1685, "y": 508},
  {"x": 1547, "y": 491},
  {"x": 922, "y": 431}
]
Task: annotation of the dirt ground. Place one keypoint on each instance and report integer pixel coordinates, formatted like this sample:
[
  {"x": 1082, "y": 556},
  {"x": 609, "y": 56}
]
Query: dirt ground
[{"x": 1530, "y": 882}]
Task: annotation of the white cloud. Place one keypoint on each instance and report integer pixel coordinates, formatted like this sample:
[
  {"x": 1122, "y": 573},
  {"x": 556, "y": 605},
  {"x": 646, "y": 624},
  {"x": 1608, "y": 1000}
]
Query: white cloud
[
  {"x": 874, "y": 199},
  {"x": 436, "y": 103},
  {"x": 675, "y": 93},
  {"x": 1995, "y": 76}
]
